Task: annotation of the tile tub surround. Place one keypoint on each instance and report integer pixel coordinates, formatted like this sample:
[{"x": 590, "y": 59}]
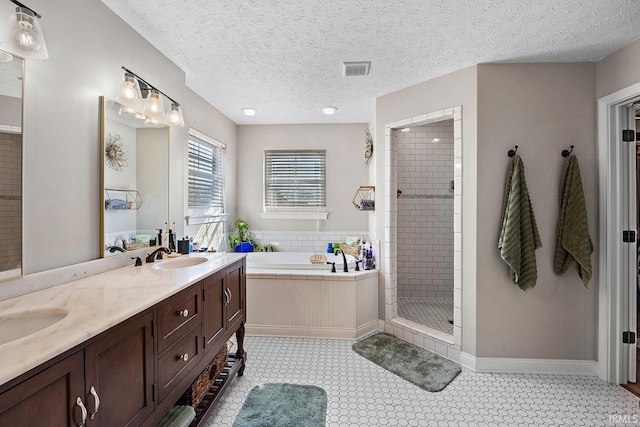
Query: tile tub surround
[
  {"x": 299, "y": 303},
  {"x": 95, "y": 304},
  {"x": 305, "y": 241}
]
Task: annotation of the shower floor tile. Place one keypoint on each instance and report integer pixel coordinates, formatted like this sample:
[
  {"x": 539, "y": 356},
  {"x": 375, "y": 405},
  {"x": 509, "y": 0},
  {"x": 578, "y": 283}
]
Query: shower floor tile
[
  {"x": 432, "y": 312},
  {"x": 360, "y": 393}
]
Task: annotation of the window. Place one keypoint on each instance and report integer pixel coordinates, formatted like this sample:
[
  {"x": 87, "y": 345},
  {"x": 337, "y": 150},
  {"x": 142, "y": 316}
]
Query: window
[
  {"x": 206, "y": 189},
  {"x": 294, "y": 179}
]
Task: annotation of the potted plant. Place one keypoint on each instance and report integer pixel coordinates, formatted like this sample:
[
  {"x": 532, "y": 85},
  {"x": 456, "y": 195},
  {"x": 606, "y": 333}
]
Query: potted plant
[{"x": 241, "y": 239}]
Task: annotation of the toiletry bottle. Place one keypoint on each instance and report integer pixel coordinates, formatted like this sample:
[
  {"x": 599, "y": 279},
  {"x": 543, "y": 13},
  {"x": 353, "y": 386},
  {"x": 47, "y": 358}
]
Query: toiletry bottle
[
  {"x": 159, "y": 242},
  {"x": 172, "y": 244},
  {"x": 190, "y": 244},
  {"x": 330, "y": 248}
]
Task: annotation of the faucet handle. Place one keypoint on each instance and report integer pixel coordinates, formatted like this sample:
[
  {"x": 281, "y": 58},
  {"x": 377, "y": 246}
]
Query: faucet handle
[
  {"x": 138, "y": 260},
  {"x": 333, "y": 266},
  {"x": 357, "y": 264}
]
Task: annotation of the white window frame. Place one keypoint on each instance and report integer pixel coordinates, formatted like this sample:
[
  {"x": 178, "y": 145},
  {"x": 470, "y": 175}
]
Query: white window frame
[{"x": 292, "y": 212}]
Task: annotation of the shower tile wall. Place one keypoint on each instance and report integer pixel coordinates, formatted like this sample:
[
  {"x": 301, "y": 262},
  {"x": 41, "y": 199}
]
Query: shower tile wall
[
  {"x": 11, "y": 200},
  {"x": 425, "y": 211}
]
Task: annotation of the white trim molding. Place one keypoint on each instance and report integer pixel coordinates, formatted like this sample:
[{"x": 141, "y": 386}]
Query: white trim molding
[
  {"x": 500, "y": 365},
  {"x": 294, "y": 215},
  {"x": 611, "y": 319}
]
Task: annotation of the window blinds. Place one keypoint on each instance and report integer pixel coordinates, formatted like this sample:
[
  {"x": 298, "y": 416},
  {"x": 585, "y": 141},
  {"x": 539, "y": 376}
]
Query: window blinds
[
  {"x": 206, "y": 173},
  {"x": 295, "y": 178}
]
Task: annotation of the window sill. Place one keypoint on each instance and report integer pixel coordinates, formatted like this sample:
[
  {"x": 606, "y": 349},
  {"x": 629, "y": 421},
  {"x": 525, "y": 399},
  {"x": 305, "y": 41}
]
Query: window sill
[{"x": 294, "y": 215}]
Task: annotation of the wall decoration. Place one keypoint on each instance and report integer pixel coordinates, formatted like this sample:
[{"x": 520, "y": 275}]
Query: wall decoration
[
  {"x": 368, "y": 147},
  {"x": 115, "y": 152}
]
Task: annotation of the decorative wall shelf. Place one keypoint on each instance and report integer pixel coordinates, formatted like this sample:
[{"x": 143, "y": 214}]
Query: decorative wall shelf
[
  {"x": 122, "y": 199},
  {"x": 365, "y": 198}
]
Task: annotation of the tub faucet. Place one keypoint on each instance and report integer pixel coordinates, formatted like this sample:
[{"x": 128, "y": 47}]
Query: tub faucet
[
  {"x": 345, "y": 267},
  {"x": 152, "y": 256}
]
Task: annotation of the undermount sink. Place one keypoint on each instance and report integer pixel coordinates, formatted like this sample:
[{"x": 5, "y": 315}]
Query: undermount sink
[
  {"x": 20, "y": 325},
  {"x": 180, "y": 263}
]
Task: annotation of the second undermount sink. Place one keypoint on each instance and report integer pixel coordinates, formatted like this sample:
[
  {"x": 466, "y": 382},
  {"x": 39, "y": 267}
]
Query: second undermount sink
[
  {"x": 20, "y": 325},
  {"x": 180, "y": 263}
]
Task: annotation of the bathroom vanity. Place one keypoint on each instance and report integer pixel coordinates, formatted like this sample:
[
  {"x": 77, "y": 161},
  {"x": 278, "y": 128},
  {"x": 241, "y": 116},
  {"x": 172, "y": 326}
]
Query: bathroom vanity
[{"x": 131, "y": 342}]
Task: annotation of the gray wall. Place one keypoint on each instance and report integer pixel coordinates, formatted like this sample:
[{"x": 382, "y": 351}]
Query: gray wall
[
  {"x": 61, "y": 127},
  {"x": 543, "y": 108},
  {"x": 10, "y": 111},
  {"x": 618, "y": 70},
  {"x": 345, "y": 172}
]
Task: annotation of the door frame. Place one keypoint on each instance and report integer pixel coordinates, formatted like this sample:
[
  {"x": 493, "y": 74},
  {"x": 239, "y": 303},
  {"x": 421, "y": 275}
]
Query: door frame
[{"x": 613, "y": 310}]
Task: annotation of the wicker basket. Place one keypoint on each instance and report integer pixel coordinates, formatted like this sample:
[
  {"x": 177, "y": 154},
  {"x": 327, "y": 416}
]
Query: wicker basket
[
  {"x": 137, "y": 245},
  {"x": 203, "y": 383}
]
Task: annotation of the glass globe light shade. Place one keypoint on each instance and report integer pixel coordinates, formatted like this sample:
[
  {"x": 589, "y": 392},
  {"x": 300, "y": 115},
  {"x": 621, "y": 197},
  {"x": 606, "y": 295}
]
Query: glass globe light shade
[{"x": 24, "y": 35}]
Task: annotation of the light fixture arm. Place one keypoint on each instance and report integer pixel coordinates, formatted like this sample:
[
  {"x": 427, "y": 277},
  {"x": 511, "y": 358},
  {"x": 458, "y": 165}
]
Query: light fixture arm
[
  {"x": 150, "y": 86},
  {"x": 36, "y": 14}
]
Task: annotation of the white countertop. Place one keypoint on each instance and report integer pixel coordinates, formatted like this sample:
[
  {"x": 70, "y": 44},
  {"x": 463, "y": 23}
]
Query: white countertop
[{"x": 95, "y": 304}]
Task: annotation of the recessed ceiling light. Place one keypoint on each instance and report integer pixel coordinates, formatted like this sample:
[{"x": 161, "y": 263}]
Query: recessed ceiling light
[
  {"x": 405, "y": 129},
  {"x": 249, "y": 111},
  {"x": 328, "y": 110}
]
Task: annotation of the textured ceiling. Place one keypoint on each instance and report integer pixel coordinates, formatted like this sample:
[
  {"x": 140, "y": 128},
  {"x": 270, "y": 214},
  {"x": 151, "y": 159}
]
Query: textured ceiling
[{"x": 284, "y": 57}]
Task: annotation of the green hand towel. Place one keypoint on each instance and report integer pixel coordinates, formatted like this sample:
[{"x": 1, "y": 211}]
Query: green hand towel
[
  {"x": 519, "y": 236},
  {"x": 573, "y": 242}
]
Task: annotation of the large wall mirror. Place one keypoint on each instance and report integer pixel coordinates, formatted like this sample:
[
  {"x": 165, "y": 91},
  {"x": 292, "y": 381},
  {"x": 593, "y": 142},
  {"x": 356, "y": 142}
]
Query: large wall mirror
[
  {"x": 11, "y": 80},
  {"x": 135, "y": 179}
]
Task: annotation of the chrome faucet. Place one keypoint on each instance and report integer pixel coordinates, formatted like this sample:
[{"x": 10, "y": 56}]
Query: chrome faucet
[
  {"x": 152, "y": 256},
  {"x": 345, "y": 268}
]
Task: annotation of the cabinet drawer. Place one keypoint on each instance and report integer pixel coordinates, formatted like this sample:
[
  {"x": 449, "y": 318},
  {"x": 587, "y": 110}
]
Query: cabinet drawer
[
  {"x": 178, "y": 361},
  {"x": 177, "y": 314}
]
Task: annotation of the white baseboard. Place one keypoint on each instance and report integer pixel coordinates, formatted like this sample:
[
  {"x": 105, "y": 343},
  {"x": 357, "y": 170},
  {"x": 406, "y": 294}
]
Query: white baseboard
[
  {"x": 500, "y": 365},
  {"x": 310, "y": 332}
]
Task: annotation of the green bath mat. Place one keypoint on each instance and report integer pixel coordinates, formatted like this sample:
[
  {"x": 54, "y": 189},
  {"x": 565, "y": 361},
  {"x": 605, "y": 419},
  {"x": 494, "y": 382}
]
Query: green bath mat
[
  {"x": 421, "y": 367},
  {"x": 283, "y": 405}
]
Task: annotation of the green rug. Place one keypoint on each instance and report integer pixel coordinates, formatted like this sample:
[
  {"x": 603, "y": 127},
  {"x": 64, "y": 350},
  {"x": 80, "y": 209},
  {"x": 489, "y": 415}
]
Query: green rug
[
  {"x": 421, "y": 367},
  {"x": 283, "y": 405}
]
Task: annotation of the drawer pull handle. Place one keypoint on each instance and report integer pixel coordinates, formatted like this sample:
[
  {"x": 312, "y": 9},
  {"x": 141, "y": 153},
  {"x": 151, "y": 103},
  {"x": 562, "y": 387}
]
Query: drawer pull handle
[
  {"x": 226, "y": 297},
  {"x": 84, "y": 412},
  {"x": 184, "y": 357},
  {"x": 184, "y": 313},
  {"x": 93, "y": 392},
  {"x": 230, "y": 295}
]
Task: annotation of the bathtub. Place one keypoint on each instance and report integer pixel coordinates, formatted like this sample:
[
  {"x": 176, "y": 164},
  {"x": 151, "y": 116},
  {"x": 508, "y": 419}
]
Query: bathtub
[
  {"x": 287, "y": 296},
  {"x": 295, "y": 261}
]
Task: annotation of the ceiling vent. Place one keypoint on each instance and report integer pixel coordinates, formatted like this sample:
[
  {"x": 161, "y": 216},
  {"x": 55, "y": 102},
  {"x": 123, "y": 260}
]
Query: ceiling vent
[{"x": 353, "y": 69}]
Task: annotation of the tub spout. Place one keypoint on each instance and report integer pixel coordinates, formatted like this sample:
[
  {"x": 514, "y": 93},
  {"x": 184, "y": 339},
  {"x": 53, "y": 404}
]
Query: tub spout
[{"x": 345, "y": 267}]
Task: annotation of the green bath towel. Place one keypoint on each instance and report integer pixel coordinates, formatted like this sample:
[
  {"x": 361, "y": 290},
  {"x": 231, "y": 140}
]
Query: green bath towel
[
  {"x": 573, "y": 242},
  {"x": 519, "y": 236}
]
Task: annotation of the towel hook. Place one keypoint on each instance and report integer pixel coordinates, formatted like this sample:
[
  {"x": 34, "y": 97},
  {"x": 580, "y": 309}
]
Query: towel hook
[
  {"x": 512, "y": 153},
  {"x": 566, "y": 153}
]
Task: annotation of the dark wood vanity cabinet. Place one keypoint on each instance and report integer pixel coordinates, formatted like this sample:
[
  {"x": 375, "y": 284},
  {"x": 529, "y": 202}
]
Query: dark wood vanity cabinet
[
  {"x": 111, "y": 379},
  {"x": 119, "y": 371},
  {"x": 48, "y": 398},
  {"x": 133, "y": 373}
]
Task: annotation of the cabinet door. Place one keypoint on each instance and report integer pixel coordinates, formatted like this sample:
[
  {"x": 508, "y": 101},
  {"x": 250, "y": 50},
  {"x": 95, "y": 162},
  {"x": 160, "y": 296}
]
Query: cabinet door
[
  {"x": 235, "y": 289},
  {"x": 47, "y": 399},
  {"x": 213, "y": 309},
  {"x": 120, "y": 369}
]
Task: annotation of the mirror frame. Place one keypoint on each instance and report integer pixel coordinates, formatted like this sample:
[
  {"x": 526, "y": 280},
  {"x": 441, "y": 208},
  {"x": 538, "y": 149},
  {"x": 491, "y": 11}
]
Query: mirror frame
[
  {"x": 103, "y": 119},
  {"x": 22, "y": 168}
]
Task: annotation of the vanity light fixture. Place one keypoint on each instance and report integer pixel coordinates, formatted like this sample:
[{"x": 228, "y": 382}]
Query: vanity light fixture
[
  {"x": 133, "y": 87},
  {"x": 129, "y": 90},
  {"x": 174, "y": 116},
  {"x": 249, "y": 111},
  {"x": 329, "y": 110},
  {"x": 153, "y": 106},
  {"x": 24, "y": 35}
]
